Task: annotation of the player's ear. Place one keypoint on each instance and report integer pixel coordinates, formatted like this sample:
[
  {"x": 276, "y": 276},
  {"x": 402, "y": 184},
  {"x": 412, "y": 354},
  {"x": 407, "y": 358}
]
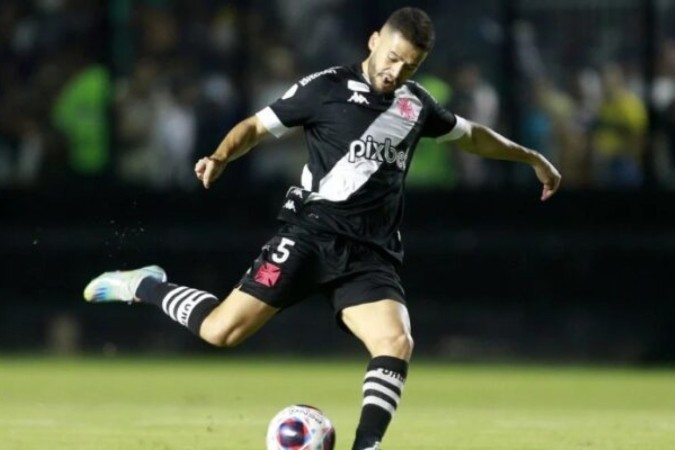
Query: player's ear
[{"x": 373, "y": 41}]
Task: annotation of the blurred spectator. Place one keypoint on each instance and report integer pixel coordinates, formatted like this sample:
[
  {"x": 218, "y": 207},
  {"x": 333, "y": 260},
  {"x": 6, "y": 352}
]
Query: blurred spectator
[
  {"x": 474, "y": 98},
  {"x": 586, "y": 94},
  {"x": 549, "y": 125},
  {"x": 80, "y": 112},
  {"x": 274, "y": 160},
  {"x": 175, "y": 135},
  {"x": 528, "y": 53},
  {"x": 663, "y": 99},
  {"x": 617, "y": 137},
  {"x": 135, "y": 112},
  {"x": 663, "y": 88},
  {"x": 158, "y": 128},
  {"x": 324, "y": 21},
  {"x": 175, "y": 103},
  {"x": 53, "y": 92}
]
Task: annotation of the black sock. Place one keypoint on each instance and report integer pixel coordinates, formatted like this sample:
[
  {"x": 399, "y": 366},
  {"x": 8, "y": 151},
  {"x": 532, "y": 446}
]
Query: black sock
[
  {"x": 185, "y": 305},
  {"x": 382, "y": 389}
]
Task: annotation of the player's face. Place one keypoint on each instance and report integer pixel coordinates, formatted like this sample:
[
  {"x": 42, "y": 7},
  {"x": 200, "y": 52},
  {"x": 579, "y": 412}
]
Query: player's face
[{"x": 392, "y": 61}]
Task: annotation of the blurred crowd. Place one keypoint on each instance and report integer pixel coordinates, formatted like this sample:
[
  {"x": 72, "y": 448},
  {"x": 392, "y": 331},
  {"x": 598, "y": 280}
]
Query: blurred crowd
[{"x": 132, "y": 92}]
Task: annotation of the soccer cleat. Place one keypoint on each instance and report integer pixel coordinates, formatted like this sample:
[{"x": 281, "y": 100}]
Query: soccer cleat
[{"x": 120, "y": 286}]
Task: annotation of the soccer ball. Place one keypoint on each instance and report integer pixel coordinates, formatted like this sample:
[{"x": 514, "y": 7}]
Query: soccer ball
[{"x": 300, "y": 427}]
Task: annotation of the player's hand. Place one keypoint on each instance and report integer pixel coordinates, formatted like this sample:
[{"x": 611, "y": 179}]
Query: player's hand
[
  {"x": 208, "y": 170},
  {"x": 549, "y": 176}
]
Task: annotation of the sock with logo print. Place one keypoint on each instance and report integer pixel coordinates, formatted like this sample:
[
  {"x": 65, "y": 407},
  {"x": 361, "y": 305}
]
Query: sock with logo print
[
  {"x": 185, "y": 305},
  {"x": 382, "y": 388}
]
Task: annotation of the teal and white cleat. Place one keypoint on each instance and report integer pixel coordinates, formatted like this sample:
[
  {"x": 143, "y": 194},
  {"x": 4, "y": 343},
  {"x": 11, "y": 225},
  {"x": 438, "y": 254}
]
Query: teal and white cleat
[{"x": 120, "y": 286}]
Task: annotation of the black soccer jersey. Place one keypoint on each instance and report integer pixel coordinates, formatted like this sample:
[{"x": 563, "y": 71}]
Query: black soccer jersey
[{"x": 360, "y": 146}]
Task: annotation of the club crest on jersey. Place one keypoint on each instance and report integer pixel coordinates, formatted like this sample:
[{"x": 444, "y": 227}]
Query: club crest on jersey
[
  {"x": 405, "y": 108},
  {"x": 377, "y": 151}
]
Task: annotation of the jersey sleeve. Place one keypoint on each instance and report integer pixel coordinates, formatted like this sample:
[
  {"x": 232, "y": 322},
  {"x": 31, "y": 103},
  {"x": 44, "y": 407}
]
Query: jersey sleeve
[
  {"x": 298, "y": 105},
  {"x": 440, "y": 123}
]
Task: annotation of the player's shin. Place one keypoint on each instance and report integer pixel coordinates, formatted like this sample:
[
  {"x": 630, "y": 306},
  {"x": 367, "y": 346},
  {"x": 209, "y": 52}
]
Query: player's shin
[
  {"x": 382, "y": 388},
  {"x": 185, "y": 305}
]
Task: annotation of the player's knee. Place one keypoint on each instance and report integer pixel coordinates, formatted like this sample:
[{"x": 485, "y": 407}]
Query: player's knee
[
  {"x": 399, "y": 345},
  {"x": 220, "y": 335},
  {"x": 221, "y": 339}
]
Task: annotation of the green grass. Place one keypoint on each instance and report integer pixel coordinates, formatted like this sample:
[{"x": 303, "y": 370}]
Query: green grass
[{"x": 201, "y": 404}]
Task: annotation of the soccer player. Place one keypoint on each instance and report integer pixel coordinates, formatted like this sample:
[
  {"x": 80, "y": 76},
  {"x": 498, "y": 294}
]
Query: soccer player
[{"x": 339, "y": 234}]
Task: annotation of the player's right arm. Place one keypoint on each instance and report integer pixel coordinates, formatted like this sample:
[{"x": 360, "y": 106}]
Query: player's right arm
[
  {"x": 238, "y": 141},
  {"x": 295, "y": 108}
]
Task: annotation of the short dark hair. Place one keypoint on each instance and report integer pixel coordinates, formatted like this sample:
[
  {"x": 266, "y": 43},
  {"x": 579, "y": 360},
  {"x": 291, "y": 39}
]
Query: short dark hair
[{"x": 415, "y": 26}]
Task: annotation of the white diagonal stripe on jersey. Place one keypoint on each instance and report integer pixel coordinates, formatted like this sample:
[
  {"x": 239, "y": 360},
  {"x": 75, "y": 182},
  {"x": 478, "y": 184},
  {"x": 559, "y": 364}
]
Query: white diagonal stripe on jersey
[
  {"x": 346, "y": 177},
  {"x": 383, "y": 389},
  {"x": 372, "y": 400},
  {"x": 389, "y": 379},
  {"x": 306, "y": 179},
  {"x": 170, "y": 297},
  {"x": 187, "y": 305},
  {"x": 177, "y": 300}
]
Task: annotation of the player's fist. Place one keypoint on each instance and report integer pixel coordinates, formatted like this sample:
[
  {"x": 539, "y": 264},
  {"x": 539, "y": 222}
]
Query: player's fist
[
  {"x": 549, "y": 177},
  {"x": 208, "y": 170}
]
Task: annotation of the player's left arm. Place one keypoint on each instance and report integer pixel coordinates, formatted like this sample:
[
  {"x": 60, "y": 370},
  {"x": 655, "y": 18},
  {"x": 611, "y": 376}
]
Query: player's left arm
[
  {"x": 475, "y": 138},
  {"x": 486, "y": 142}
]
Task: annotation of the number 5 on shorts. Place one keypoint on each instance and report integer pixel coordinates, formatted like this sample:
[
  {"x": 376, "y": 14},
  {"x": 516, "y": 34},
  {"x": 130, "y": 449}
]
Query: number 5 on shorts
[{"x": 282, "y": 252}]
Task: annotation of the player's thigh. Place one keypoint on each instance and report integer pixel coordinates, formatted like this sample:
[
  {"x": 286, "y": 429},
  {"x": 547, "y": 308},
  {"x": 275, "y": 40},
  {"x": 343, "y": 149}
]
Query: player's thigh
[
  {"x": 382, "y": 325},
  {"x": 236, "y": 318}
]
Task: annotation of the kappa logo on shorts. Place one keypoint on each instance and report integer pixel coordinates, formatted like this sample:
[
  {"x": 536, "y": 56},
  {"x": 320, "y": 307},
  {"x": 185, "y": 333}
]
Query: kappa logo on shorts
[
  {"x": 268, "y": 274},
  {"x": 290, "y": 204}
]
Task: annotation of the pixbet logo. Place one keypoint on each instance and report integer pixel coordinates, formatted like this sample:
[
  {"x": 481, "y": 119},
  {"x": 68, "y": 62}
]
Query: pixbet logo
[{"x": 377, "y": 151}]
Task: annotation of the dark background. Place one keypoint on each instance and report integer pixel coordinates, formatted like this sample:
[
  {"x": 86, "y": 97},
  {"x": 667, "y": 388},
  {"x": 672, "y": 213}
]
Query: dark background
[{"x": 105, "y": 106}]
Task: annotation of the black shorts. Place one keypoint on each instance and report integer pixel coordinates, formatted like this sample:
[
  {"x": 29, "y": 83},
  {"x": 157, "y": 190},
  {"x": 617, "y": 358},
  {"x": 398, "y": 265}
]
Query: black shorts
[{"x": 298, "y": 263}]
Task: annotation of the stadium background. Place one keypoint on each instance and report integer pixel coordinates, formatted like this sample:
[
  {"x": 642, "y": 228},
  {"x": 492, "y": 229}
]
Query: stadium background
[{"x": 104, "y": 107}]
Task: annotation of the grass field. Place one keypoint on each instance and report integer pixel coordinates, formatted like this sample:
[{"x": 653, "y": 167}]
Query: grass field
[{"x": 209, "y": 404}]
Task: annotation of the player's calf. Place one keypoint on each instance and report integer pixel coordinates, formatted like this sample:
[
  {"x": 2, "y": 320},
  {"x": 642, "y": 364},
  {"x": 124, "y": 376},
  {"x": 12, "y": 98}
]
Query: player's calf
[
  {"x": 187, "y": 306},
  {"x": 382, "y": 389}
]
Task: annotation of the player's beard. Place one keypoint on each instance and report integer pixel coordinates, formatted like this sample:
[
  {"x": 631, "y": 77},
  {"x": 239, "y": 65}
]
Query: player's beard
[{"x": 376, "y": 82}]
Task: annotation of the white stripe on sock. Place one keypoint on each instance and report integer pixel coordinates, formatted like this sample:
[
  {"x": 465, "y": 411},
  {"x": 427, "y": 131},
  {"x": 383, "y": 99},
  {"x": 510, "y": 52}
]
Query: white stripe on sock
[
  {"x": 187, "y": 298},
  {"x": 168, "y": 298},
  {"x": 383, "y": 389},
  {"x": 189, "y": 292},
  {"x": 372, "y": 400}
]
